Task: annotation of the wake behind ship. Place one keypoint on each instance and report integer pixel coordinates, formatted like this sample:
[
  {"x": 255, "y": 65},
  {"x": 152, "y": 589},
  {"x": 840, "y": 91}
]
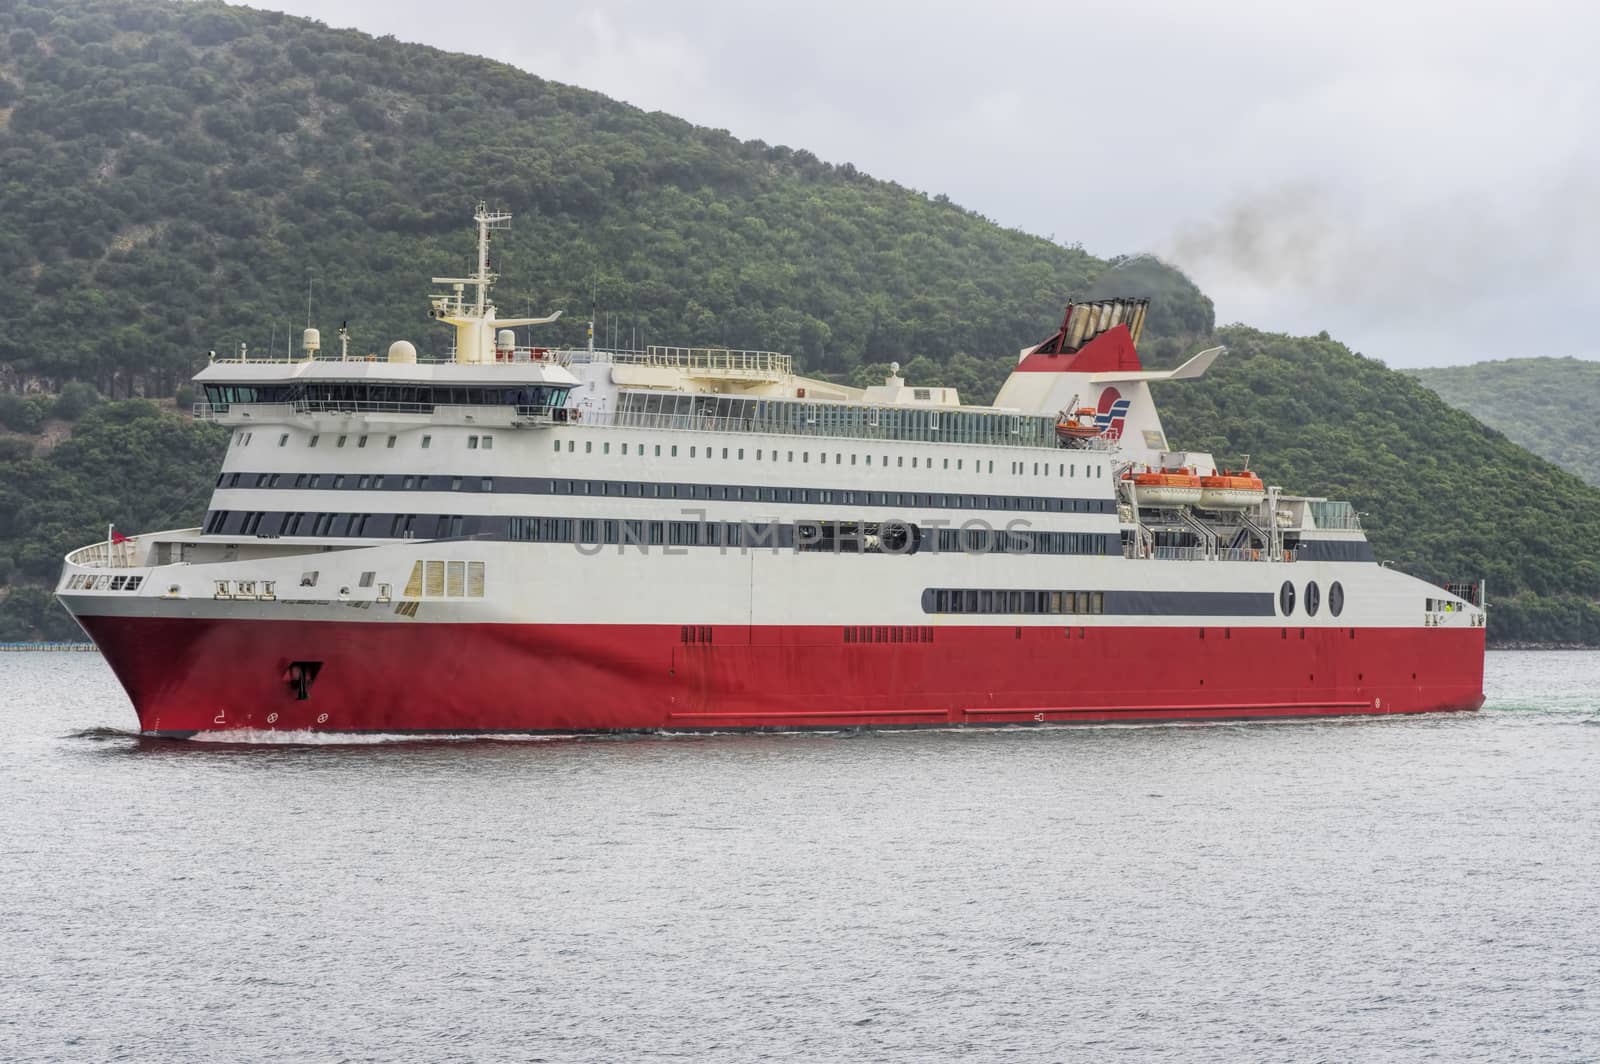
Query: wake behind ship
[{"x": 525, "y": 539}]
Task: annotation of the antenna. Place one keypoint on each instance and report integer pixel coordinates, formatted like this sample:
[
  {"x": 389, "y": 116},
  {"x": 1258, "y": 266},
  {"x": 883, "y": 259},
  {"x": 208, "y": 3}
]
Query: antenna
[{"x": 309, "y": 276}]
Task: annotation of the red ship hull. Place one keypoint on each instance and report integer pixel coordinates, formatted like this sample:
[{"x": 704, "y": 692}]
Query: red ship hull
[{"x": 196, "y": 675}]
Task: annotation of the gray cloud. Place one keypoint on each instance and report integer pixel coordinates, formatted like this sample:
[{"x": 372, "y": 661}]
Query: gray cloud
[{"x": 1413, "y": 176}]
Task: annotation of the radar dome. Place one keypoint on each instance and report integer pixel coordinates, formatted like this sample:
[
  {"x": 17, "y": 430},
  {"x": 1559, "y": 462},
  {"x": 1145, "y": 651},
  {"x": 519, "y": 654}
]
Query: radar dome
[{"x": 402, "y": 351}]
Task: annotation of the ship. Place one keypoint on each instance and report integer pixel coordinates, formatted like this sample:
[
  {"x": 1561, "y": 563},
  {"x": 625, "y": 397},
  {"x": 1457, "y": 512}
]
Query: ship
[{"x": 516, "y": 538}]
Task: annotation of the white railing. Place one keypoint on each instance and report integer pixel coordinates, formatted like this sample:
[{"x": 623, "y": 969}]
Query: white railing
[
  {"x": 719, "y": 360},
  {"x": 503, "y": 356},
  {"x": 1199, "y": 554},
  {"x": 106, "y": 555}
]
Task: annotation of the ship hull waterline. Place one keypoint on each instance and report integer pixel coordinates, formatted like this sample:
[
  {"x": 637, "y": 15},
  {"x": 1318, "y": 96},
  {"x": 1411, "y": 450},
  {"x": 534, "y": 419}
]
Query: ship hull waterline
[{"x": 190, "y": 675}]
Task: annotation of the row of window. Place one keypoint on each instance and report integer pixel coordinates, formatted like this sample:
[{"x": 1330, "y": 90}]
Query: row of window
[
  {"x": 737, "y": 454},
  {"x": 638, "y": 489},
  {"x": 269, "y": 524},
  {"x": 445, "y": 579},
  {"x": 1313, "y": 598},
  {"x": 797, "y": 417},
  {"x": 91, "y": 582},
  {"x": 1008, "y": 600},
  {"x": 400, "y": 397},
  {"x": 887, "y": 537},
  {"x": 842, "y": 537},
  {"x": 474, "y": 442},
  {"x": 358, "y": 482}
]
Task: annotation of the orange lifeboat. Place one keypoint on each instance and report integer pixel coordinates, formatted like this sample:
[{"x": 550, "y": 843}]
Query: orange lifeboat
[
  {"x": 1231, "y": 491},
  {"x": 1165, "y": 487},
  {"x": 1078, "y": 425}
]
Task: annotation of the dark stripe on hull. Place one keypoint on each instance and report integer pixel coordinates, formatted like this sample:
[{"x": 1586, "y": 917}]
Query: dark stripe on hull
[
  {"x": 1333, "y": 550},
  {"x": 188, "y": 675},
  {"x": 680, "y": 491}
]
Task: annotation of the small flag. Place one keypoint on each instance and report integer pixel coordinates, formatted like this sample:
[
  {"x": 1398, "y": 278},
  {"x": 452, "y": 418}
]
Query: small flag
[{"x": 118, "y": 537}]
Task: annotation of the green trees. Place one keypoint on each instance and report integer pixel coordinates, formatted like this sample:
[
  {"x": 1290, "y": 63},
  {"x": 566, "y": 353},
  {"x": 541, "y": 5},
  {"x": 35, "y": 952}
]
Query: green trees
[
  {"x": 1548, "y": 405},
  {"x": 126, "y": 463},
  {"x": 174, "y": 172}
]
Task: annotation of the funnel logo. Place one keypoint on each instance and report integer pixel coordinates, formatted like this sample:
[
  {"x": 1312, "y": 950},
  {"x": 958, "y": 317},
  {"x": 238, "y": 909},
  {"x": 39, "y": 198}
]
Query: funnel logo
[{"x": 1111, "y": 413}]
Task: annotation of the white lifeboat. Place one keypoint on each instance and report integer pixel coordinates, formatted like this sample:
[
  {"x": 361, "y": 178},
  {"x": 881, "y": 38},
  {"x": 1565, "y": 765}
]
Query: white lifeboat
[
  {"x": 1165, "y": 487},
  {"x": 1231, "y": 491}
]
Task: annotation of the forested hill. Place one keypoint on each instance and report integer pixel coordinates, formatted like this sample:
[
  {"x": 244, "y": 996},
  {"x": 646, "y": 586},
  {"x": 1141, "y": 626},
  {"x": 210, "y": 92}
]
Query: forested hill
[
  {"x": 1549, "y": 405},
  {"x": 171, "y": 175}
]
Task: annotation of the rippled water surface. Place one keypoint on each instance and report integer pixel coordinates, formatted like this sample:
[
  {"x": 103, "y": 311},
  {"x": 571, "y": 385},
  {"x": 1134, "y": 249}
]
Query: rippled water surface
[{"x": 1410, "y": 889}]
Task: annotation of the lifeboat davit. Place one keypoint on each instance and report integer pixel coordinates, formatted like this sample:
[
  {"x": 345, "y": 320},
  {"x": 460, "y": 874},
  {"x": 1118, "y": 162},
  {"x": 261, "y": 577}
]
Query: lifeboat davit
[
  {"x": 1078, "y": 425},
  {"x": 1231, "y": 491},
  {"x": 1165, "y": 487}
]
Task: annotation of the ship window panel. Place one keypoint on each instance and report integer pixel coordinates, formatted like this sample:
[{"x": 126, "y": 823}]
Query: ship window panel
[
  {"x": 475, "y": 579},
  {"x": 433, "y": 579},
  {"x": 455, "y": 579},
  {"x": 426, "y": 442},
  {"x": 390, "y": 444}
]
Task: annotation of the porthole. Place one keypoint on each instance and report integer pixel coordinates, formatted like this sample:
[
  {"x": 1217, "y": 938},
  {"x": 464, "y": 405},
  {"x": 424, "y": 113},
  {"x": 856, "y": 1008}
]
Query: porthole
[
  {"x": 1336, "y": 598},
  {"x": 1313, "y": 598},
  {"x": 1286, "y": 598}
]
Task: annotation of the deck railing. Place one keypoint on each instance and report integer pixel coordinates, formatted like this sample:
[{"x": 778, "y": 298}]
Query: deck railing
[
  {"x": 723, "y": 361},
  {"x": 268, "y": 411},
  {"x": 106, "y": 555}
]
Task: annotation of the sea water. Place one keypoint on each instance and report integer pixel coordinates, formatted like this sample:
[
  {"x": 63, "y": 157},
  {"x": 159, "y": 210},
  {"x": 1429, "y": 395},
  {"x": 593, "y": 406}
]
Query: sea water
[{"x": 1423, "y": 888}]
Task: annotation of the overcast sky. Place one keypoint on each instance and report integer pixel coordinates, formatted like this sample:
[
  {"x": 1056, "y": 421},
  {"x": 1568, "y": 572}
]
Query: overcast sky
[{"x": 1420, "y": 179}]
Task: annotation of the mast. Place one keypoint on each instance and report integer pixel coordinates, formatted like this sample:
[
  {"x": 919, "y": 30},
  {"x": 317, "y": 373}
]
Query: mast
[{"x": 475, "y": 324}]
